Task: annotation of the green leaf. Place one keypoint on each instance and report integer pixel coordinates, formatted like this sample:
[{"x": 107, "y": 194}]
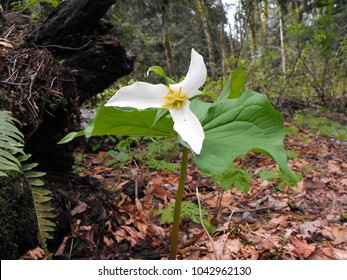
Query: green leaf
[
  {"x": 235, "y": 126},
  {"x": 41, "y": 198},
  {"x": 159, "y": 71},
  {"x": 234, "y": 85},
  {"x": 34, "y": 174},
  {"x": 114, "y": 121},
  {"x": 29, "y": 166},
  {"x": 36, "y": 182},
  {"x": 70, "y": 137}
]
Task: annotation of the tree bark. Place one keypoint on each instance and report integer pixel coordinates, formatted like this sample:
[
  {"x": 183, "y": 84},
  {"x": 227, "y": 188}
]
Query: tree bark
[
  {"x": 201, "y": 9},
  {"x": 55, "y": 66},
  {"x": 47, "y": 70}
]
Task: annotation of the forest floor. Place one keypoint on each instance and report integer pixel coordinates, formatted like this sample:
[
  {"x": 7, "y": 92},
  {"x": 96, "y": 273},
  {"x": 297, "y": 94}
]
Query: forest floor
[{"x": 108, "y": 212}]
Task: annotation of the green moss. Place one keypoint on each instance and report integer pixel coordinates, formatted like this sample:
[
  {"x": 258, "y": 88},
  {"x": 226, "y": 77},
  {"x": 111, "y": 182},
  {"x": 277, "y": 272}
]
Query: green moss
[{"x": 17, "y": 220}]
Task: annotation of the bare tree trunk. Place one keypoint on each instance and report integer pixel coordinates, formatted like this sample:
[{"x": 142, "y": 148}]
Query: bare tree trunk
[
  {"x": 264, "y": 26},
  {"x": 222, "y": 38},
  {"x": 283, "y": 56},
  {"x": 203, "y": 16},
  {"x": 166, "y": 37},
  {"x": 251, "y": 21}
]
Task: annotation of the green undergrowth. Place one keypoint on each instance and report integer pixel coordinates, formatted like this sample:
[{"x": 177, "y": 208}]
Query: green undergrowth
[{"x": 318, "y": 121}]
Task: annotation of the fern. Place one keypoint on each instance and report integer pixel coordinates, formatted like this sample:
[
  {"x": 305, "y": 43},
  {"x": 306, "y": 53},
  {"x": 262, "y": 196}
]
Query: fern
[
  {"x": 40, "y": 196},
  {"x": 11, "y": 143},
  {"x": 13, "y": 158}
]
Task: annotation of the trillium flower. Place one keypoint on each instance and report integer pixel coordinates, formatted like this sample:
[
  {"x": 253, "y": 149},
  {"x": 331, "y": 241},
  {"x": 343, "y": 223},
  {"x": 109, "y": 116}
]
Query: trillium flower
[{"x": 174, "y": 97}]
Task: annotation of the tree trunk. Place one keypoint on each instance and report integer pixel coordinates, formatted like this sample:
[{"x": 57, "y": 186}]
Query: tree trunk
[
  {"x": 251, "y": 11},
  {"x": 201, "y": 9},
  {"x": 283, "y": 56},
  {"x": 47, "y": 70},
  {"x": 166, "y": 37},
  {"x": 55, "y": 66}
]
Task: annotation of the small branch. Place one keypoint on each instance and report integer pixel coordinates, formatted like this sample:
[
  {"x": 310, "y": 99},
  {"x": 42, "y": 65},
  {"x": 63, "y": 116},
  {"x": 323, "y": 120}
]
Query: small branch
[
  {"x": 205, "y": 229},
  {"x": 64, "y": 48}
]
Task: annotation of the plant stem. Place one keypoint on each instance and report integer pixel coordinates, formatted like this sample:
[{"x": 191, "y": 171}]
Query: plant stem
[{"x": 178, "y": 203}]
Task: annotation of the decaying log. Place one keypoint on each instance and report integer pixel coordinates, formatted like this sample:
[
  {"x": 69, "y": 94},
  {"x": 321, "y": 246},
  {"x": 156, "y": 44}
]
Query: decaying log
[
  {"x": 54, "y": 66},
  {"x": 47, "y": 70}
]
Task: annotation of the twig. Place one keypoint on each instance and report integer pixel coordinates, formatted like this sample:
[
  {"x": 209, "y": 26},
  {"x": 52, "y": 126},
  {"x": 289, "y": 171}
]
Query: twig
[
  {"x": 275, "y": 207},
  {"x": 64, "y": 48},
  {"x": 203, "y": 226}
]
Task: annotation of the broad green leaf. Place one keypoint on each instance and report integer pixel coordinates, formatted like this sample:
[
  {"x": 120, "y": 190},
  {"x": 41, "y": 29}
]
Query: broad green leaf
[
  {"x": 161, "y": 113},
  {"x": 3, "y": 174},
  {"x": 234, "y": 85},
  {"x": 235, "y": 126},
  {"x": 69, "y": 137},
  {"x": 113, "y": 121},
  {"x": 159, "y": 71}
]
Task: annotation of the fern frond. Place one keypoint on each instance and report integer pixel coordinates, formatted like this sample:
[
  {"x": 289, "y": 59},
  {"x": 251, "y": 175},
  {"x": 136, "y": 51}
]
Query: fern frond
[
  {"x": 40, "y": 197},
  {"x": 13, "y": 158},
  {"x": 11, "y": 144}
]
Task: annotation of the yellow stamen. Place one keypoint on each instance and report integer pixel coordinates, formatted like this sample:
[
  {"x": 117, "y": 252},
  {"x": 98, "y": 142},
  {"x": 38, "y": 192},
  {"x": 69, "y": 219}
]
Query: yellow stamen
[{"x": 174, "y": 98}]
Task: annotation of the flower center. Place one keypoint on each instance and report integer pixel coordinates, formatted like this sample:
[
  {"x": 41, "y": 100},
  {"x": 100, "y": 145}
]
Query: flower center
[{"x": 174, "y": 98}]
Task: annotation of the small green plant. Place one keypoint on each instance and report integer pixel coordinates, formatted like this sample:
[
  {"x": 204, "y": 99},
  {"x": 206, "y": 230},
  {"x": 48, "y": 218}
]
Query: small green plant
[
  {"x": 234, "y": 176},
  {"x": 33, "y": 7},
  {"x": 189, "y": 210},
  {"x": 11, "y": 144},
  {"x": 292, "y": 154},
  {"x": 78, "y": 164},
  {"x": 279, "y": 179},
  {"x": 292, "y": 130},
  {"x": 323, "y": 125},
  {"x": 306, "y": 168}
]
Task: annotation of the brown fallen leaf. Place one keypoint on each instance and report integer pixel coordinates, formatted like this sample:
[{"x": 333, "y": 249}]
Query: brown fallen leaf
[
  {"x": 6, "y": 43},
  {"x": 35, "y": 254},
  {"x": 329, "y": 253},
  {"x": 340, "y": 234},
  {"x": 79, "y": 208},
  {"x": 280, "y": 220},
  {"x": 302, "y": 249}
]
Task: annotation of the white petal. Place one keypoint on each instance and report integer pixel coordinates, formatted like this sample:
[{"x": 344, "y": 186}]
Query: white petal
[
  {"x": 139, "y": 95},
  {"x": 188, "y": 126},
  {"x": 195, "y": 77}
]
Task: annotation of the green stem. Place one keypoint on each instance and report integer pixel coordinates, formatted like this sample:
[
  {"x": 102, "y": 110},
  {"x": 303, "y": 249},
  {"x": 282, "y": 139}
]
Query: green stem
[{"x": 178, "y": 203}]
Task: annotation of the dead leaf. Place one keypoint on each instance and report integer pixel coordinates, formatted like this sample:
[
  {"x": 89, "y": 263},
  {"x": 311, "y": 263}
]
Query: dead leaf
[
  {"x": 6, "y": 43},
  {"x": 35, "y": 254},
  {"x": 340, "y": 234},
  {"x": 194, "y": 256},
  {"x": 79, "y": 208},
  {"x": 302, "y": 249},
  {"x": 130, "y": 234},
  {"x": 276, "y": 221},
  {"x": 340, "y": 254},
  {"x": 307, "y": 229},
  {"x": 333, "y": 167}
]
